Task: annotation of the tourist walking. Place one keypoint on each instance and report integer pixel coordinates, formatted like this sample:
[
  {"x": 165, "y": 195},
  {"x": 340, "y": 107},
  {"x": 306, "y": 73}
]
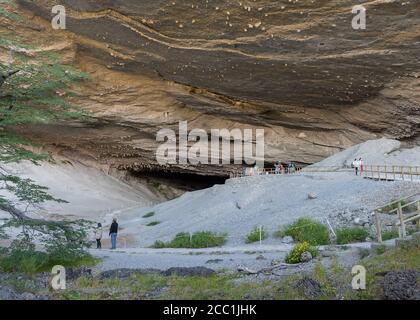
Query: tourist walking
[
  {"x": 113, "y": 231},
  {"x": 277, "y": 167},
  {"x": 291, "y": 168},
  {"x": 356, "y": 165},
  {"x": 256, "y": 170},
  {"x": 361, "y": 166},
  {"x": 98, "y": 236}
]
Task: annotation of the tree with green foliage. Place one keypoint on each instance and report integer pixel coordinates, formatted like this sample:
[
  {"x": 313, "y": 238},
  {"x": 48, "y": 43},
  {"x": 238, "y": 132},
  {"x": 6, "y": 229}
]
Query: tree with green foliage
[
  {"x": 34, "y": 86},
  {"x": 33, "y": 91}
]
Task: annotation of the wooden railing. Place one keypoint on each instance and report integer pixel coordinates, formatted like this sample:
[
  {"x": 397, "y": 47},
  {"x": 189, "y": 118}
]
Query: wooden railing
[
  {"x": 253, "y": 172},
  {"x": 402, "y": 218},
  {"x": 387, "y": 172},
  {"x": 263, "y": 171},
  {"x": 379, "y": 172}
]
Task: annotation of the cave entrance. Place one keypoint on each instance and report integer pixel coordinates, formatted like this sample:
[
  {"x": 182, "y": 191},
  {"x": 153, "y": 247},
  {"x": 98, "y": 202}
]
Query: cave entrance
[{"x": 169, "y": 185}]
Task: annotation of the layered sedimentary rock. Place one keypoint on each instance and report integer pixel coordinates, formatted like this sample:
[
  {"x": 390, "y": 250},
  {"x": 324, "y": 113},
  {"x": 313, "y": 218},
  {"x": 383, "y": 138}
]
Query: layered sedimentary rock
[{"x": 297, "y": 69}]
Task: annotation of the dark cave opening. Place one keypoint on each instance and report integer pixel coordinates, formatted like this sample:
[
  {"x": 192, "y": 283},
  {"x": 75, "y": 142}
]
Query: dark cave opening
[{"x": 185, "y": 181}]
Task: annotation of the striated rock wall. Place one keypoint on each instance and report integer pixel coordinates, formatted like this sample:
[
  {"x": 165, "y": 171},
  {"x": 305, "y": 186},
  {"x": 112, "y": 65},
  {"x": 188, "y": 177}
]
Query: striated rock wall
[{"x": 295, "y": 68}]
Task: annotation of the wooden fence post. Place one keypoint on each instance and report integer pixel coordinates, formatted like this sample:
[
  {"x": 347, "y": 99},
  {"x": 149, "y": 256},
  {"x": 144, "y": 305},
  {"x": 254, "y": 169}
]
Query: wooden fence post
[
  {"x": 418, "y": 211},
  {"x": 401, "y": 217},
  {"x": 378, "y": 225}
]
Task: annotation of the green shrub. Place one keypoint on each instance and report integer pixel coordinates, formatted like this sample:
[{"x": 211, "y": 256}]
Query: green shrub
[
  {"x": 23, "y": 261},
  {"x": 153, "y": 223},
  {"x": 149, "y": 214},
  {"x": 181, "y": 240},
  {"x": 391, "y": 234},
  {"x": 379, "y": 249},
  {"x": 311, "y": 231},
  {"x": 159, "y": 244},
  {"x": 207, "y": 239},
  {"x": 254, "y": 235},
  {"x": 29, "y": 261},
  {"x": 294, "y": 255},
  {"x": 203, "y": 239},
  {"x": 351, "y": 235},
  {"x": 64, "y": 243}
]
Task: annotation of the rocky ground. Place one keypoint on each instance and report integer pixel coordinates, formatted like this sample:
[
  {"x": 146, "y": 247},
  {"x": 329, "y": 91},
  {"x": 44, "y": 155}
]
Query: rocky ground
[
  {"x": 326, "y": 277},
  {"x": 252, "y": 257}
]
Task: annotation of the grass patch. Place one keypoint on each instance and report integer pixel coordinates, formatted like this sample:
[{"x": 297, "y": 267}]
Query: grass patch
[
  {"x": 308, "y": 230},
  {"x": 21, "y": 285},
  {"x": 391, "y": 234},
  {"x": 256, "y": 234},
  {"x": 216, "y": 287},
  {"x": 393, "y": 259},
  {"x": 203, "y": 239},
  {"x": 153, "y": 223},
  {"x": 351, "y": 235},
  {"x": 149, "y": 214},
  {"x": 154, "y": 286},
  {"x": 32, "y": 262},
  {"x": 294, "y": 255}
]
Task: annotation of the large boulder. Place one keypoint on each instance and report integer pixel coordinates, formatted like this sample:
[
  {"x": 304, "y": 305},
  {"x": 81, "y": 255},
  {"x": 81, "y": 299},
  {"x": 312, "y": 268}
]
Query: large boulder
[
  {"x": 401, "y": 285},
  {"x": 305, "y": 257},
  {"x": 309, "y": 287}
]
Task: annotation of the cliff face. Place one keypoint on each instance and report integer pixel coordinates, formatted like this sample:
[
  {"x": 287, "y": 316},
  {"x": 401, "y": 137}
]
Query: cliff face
[{"x": 295, "y": 68}]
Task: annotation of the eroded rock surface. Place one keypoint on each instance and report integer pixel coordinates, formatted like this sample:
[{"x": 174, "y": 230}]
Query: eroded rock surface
[{"x": 296, "y": 69}]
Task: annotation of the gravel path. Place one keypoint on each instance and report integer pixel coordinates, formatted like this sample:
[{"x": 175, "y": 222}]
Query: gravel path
[
  {"x": 251, "y": 256},
  {"x": 163, "y": 261}
]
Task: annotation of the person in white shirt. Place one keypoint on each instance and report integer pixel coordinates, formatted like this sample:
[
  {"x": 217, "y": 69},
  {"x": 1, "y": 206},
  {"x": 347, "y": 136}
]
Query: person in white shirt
[
  {"x": 355, "y": 164},
  {"x": 98, "y": 236}
]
